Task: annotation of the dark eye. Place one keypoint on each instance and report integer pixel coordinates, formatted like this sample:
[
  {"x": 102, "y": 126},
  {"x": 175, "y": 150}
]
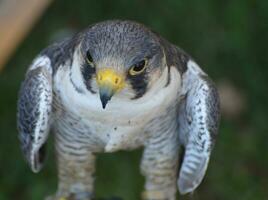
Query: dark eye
[
  {"x": 138, "y": 67},
  {"x": 89, "y": 59}
]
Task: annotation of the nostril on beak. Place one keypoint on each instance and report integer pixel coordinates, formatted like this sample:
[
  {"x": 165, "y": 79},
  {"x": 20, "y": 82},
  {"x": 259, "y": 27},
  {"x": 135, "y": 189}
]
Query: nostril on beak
[{"x": 116, "y": 80}]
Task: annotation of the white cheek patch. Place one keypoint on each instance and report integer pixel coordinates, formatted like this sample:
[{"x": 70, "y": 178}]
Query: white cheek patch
[{"x": 76, "y": 75}]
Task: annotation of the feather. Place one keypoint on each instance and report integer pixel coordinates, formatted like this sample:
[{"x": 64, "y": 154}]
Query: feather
[
  {"x": 198, "y": 125},
  {"x": 34, "y": 111}
]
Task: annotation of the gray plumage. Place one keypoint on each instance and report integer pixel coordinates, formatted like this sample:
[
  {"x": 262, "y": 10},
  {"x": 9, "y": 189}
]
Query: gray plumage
[
  {"x": 35, "y": 103},
  {"x": 167, "y": 102}
]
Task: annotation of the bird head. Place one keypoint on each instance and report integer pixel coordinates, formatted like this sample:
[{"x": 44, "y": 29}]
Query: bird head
[{"x": 120, "y": 58}]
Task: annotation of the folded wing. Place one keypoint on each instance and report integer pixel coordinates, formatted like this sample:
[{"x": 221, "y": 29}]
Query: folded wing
[
  {"x": 34, "y": 111},
  {"x": 198, "y": 125}
]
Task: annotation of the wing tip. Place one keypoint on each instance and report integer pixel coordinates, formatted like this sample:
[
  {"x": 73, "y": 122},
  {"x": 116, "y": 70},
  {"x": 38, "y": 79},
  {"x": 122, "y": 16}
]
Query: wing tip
[
  {"x": 37, "y": 159},
  {"x": 36, "y": 169},
  {"x": 191, "y": 177},
  {"x": 186, "y": 187}
]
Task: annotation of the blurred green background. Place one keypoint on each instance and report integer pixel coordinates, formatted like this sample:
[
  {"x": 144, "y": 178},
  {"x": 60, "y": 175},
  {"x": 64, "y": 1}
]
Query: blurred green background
[{"x": 228, "y": 38}]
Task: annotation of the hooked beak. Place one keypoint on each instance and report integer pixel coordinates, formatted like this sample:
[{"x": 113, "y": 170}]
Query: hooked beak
[{"x": 109, "y": 83}]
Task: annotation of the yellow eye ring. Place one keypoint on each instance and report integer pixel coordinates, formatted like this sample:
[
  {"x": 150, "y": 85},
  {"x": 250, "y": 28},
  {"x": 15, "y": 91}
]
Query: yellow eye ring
[{"x": 138, "y": 68}]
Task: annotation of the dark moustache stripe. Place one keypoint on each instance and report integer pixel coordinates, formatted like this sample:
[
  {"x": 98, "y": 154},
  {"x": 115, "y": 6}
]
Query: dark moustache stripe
[
  {"x": 139, "y": 84},
  {"x": 87, "y": 73}
]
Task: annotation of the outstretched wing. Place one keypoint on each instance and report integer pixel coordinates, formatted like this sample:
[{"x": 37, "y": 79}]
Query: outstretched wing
[
  {"x": 198, "y": 125},
  {"x": 34, "y": 111}
]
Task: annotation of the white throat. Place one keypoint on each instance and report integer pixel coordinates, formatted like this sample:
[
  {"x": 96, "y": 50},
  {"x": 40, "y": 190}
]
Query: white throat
[{"x": 88, "y": 105}]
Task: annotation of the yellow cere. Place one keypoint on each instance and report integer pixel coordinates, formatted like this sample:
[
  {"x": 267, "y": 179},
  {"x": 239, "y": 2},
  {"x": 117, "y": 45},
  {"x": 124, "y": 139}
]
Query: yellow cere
[{"x": 110, "y": 78}]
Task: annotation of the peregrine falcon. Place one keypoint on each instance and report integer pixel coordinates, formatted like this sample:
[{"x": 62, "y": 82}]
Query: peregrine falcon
[{"x": 117, "y": 85}]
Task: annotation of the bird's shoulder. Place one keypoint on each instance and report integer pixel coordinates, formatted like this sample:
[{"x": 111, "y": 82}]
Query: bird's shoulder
[
  {"x": 62, "y": 51},
  {"x": 175, "y": 56}
]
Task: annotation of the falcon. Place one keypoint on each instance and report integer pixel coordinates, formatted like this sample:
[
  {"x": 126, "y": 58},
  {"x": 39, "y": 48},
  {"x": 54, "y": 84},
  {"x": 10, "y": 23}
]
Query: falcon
[{"x": 117, "y": 85}]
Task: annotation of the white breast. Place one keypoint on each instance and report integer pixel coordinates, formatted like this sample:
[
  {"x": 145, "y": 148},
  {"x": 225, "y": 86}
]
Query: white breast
[{"x": 121, "y": 124}]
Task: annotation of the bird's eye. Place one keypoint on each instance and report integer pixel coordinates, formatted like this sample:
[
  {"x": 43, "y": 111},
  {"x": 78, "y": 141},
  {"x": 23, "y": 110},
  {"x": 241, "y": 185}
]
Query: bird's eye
[
  {"x": 138, "y": 68},
  {"x": 89, "y": 59}
]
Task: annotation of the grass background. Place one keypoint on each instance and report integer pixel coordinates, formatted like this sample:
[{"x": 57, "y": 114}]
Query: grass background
[{"x": 228, "y": 38}]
